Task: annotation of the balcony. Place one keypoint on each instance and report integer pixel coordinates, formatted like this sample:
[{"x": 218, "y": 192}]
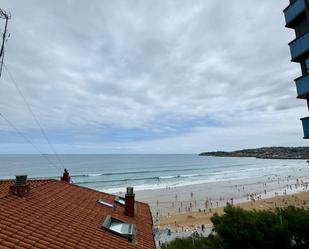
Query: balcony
[
  {"x": 293, "y": 11},
  {"x": 305, "y": 122},
  {"x": 300, "y": 48},
  {"x": 302, "y": 86}
]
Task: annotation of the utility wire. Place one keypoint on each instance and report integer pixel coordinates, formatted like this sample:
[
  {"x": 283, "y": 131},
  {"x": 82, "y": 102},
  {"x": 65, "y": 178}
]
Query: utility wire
[
  {"x": 33, "y": 115},
  {"x": 6, "y": 16},
  {"x": 29, "y": 141}
]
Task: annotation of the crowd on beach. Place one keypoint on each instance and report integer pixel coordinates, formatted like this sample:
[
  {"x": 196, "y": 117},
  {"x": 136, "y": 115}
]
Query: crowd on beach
[
  {"x": 268, "y": 197},
  {"x": 242, "y": 194}
]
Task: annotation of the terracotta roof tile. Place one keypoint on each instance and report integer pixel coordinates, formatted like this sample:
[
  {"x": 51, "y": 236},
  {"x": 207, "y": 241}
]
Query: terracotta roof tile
[
  {"x": 4, "y": 247},
  {"x": 61, "y": 215}
]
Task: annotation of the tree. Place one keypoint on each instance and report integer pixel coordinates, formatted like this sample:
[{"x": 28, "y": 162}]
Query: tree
[{"x": 241, "y": 229}]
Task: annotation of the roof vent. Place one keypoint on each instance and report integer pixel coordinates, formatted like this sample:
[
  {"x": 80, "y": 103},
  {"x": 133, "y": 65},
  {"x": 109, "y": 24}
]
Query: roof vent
[{"x": 21, "y": 187}]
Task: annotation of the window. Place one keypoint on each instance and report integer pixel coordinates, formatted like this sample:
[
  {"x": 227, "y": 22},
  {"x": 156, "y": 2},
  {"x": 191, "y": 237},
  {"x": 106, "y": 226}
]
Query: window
[
  {"x": 120, "y": 200},
  {"x": 118, "y": 227},
  {"x": 102, "y": 202}
]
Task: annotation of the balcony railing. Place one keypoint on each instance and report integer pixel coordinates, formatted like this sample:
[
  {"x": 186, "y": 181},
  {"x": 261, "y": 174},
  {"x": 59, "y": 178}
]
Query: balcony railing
[
  {"x": 293, "y": 11},
  {"x": 302, "y": 86},
  {"x": 299, "y": 47},
  {"x": 305, "y": 122}
]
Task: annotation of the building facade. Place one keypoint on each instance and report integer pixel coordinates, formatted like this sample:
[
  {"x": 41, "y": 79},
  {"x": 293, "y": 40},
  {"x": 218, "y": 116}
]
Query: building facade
[{"x": 297, "y": 17}]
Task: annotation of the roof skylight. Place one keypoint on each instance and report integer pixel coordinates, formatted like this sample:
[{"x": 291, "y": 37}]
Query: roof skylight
[
  {"x": 118, "y": 227},
  {"x": 120, "y": 200},
  {"x": 102, "y": 202}
]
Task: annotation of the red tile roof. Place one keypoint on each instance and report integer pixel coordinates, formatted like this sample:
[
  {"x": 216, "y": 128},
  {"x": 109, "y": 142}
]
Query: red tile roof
[{"x": 60, "y": 215}]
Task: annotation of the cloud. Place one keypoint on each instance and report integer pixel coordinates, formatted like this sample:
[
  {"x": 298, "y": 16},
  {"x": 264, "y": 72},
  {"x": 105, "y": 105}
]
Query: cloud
[{"x": 140, "y": 74}]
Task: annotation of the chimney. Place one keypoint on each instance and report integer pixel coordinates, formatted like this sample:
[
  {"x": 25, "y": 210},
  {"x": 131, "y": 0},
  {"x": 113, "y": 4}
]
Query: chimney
[
  {"x": 21, "y": 188},
  {"x": 129, "y": 202},
  {"x": 66, "y": 176}
]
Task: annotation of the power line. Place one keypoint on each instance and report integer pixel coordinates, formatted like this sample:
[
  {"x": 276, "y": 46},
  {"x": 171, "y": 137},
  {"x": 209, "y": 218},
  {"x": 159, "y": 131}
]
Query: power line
[
  {"x": 29, "y": 141},
  {"x": 6, "y": 16},
  {"x": 33, "y": 115}
]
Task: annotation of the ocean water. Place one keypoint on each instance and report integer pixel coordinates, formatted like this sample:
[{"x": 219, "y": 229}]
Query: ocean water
[{"x": 113, "y": 173}]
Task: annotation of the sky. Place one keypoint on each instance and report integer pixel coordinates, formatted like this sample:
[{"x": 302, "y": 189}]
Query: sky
[{"x": 139, "y": 76}]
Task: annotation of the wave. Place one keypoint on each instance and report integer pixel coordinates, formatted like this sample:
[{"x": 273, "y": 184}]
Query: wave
[
  {"x": 94, "y": 178},
  {"x": 227, "y": 174},
  {"x": 120, "y": 189},
  {"x": 94, "y": 174},
  {"x": 118, "y": 180},
  {"x": 211, "y": 169},
  {"x": 157, "y": 178},
  {"x": 181, "y": 176},
  {"x": 166, "y": 177},
  {"x": 217, "y": 169}
]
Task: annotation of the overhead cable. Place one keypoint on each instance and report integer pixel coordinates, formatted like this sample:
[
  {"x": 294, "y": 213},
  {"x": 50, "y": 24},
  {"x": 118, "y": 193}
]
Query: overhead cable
[
  {"x": 29, "y": 141},
  {"x": 33, "y": 115}
]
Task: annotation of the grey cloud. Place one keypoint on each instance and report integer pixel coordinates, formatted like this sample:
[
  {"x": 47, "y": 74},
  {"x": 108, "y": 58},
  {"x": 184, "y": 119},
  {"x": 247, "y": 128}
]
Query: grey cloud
[{"x": 138, "y": 64}]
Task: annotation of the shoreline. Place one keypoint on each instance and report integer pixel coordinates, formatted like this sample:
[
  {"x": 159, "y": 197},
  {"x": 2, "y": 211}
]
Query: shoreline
[
  {"x": 189, "y": 206},
  {"x": 193, "y": 220}
]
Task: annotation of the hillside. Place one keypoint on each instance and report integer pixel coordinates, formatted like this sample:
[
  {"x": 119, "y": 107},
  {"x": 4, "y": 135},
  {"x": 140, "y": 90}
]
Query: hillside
[{"x": 265, "y": 152}]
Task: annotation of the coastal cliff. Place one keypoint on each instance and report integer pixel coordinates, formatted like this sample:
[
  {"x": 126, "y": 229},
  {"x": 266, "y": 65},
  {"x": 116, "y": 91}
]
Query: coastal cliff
[{"x": 265, "y": 152}]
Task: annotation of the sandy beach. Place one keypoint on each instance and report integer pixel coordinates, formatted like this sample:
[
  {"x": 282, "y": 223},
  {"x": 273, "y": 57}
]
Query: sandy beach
[
  {"x": 186, "y": 207},
  {"x": 194, "y": 219},
  {"x": 182, "y": 225}
]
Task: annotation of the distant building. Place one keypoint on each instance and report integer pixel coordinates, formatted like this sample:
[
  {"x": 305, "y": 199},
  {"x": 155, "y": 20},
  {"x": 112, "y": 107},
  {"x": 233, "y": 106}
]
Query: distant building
[
  {"x": 297, "y": 18},
  {"x": 59, "y": 215}
]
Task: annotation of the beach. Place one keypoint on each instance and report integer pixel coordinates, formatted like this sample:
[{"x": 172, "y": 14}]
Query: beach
[
  {"x": 180, "y": 211},
  {"x": 183, "y": 225},
  {"x": 184, "y": 208},
  {"x": 196, "y": 219}
]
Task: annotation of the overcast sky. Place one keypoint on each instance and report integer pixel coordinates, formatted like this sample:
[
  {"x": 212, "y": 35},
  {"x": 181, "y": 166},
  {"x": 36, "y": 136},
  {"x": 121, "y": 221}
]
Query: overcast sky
[{"x": 149, "y": 76}]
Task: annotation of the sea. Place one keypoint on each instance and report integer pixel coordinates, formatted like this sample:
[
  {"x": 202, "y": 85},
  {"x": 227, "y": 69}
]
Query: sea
[{"x": 113, "y": 173}]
